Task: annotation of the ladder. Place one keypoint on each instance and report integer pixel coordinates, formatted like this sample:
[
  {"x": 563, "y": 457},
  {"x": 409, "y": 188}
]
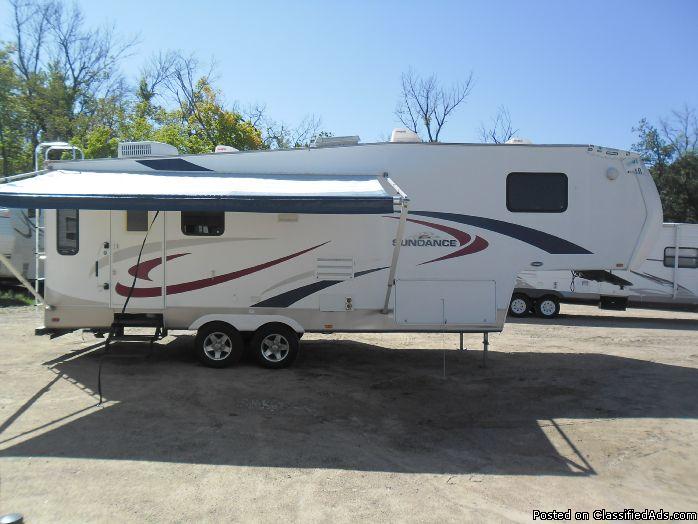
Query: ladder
[{"x": 39, "y": 226}]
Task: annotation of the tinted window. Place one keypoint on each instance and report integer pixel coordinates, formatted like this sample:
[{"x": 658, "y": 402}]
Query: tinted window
[
  {"x": 203, "y": 224},
  {"x": 67, "y": 231},
  {"x": 537, "y": 192},
  {"x": 136, "y": 221},
  {"x": 688, "y": 257}
]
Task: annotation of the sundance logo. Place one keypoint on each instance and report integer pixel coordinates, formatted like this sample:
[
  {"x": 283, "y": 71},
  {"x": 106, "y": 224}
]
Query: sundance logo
[
  {"x": 426, "y": 239},
  {"x": 467, "y": 244}
]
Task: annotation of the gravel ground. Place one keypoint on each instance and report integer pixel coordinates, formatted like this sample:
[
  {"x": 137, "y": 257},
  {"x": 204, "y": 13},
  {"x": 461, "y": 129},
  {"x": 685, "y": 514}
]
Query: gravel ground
[{"x": 591, "y": 410}]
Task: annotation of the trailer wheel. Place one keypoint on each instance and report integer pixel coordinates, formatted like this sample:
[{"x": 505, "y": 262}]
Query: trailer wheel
[
  {"x": 520, "y": 305},
  {"x": 275, "y": 346},
  {"x": 548, "y": 307},
  {"x": 218, "y": 345}
]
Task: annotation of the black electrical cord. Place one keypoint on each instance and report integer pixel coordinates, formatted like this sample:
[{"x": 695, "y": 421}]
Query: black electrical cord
[
  {"x": 123, "y": 309},
  {"x": 138, "y": 263}
]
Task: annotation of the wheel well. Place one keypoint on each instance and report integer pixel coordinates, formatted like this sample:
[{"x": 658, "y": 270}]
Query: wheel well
[
  {"x": 213, "y": 322},
  {"x": 282, "y": 324}
]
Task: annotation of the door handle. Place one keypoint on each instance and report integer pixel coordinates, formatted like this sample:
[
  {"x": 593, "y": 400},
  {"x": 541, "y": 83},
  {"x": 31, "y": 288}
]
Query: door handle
[{"x": 97, "y": 268}]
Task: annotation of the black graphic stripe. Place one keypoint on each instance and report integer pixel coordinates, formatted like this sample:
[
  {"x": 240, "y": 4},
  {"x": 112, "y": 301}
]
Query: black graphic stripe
[
  {"x": 291, "y": 297},
  {"x": 171, "y": 164},
  {"x": 550, "y": 243}
]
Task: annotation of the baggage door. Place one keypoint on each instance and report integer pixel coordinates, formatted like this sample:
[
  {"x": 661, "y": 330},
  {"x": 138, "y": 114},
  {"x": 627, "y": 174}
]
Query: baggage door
[
  {"x": 128, "y": 229},
  {"x": 445, "y": 302}
]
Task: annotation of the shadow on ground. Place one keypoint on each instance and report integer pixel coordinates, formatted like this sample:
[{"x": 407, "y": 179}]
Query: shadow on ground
[
  {"x": 611, "y": 321},
  {"x": 354, "y": 406}
]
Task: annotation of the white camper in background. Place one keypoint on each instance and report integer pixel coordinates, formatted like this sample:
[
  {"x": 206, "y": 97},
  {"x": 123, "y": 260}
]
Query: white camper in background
[
  {"x": 668, "y": 279},
  {"x": 17, "y": 243},
  {"x": 267, "y": 245}
]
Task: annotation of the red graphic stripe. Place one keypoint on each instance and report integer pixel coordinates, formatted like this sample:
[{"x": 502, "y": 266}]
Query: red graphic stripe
[
  {"x": 477, "y": 245},
  {"x": 147, "y": 292},
  {"x": 461, "y": 236},
  {"x": 144, "y": 268}
]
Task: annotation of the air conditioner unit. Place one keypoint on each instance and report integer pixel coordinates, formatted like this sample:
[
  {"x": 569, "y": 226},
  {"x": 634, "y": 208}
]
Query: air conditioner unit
[
  {"x": 141, "y": 149},
  {"x": 402, "y": 134},
  {"x": 225, "y": 149}
]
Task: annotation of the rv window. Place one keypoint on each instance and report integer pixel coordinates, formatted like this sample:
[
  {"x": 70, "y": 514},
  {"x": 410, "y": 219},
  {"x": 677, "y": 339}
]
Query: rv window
[
  {"x": 203, "y": 224},
  {"x": 136, "y": 221},
  {"x": 688, "y": 257},
  {"x": 537, "y": 192},
  {"x": 67, "y": 231}
]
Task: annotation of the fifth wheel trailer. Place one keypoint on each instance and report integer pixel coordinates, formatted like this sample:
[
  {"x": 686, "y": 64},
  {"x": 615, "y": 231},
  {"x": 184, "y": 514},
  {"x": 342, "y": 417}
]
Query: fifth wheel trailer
[
  {"x": 17, "y": 242},
  {"x": 268, "y": 245},
  {"x": 667, "y": 279}
]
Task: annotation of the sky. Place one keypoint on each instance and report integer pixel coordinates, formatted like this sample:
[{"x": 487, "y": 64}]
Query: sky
[{"x": 568, "y": 72}]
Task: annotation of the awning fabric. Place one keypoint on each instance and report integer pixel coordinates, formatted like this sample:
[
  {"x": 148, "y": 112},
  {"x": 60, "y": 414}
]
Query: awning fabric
[{"x": 176, "y": 191}]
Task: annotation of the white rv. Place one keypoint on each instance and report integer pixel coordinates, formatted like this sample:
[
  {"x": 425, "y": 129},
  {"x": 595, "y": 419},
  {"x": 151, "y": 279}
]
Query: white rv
[
  {"x": 266, "y": 245},
  {"x": 17, "y": 242},
  {"x": 667, "y": 279}
]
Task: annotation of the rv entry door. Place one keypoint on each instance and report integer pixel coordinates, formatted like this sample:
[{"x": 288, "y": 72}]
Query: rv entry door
[{"x": 128, "y": 229}]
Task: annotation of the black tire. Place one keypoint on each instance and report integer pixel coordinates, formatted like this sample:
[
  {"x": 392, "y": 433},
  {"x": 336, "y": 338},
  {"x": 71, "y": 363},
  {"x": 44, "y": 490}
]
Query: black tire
[
  {"x": 520, "y": 305},
  {"x": 275, "y": 346},
  {"x": 227, "y": 353},
  {"x": 547, "y": 307}
]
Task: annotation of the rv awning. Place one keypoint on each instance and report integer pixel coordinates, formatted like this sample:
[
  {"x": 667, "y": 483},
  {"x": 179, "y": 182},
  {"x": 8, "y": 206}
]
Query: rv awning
[{"x": 177, "y": 191}]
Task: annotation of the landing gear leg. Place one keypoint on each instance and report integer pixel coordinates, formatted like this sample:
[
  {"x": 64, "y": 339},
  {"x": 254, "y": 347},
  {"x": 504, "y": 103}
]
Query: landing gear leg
[{"x": 485, "y": 347}]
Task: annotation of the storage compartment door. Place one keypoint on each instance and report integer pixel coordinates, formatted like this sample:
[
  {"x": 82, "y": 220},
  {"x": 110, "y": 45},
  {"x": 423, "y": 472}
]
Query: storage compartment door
[{"x": 445, "y": 302}]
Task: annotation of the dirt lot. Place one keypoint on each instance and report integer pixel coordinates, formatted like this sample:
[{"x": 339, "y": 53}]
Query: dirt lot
[{"x": 592, "y": 410}]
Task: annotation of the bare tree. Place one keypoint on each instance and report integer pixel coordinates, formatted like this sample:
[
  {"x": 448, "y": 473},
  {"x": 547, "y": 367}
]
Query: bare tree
[
  {"x": 279, "y": 135},
  {"x": 53, "y": 46},
  {"x": 500, "y": 129},
  {"x": 680, "y": 130},
  {"x": 30, "y": 25},
  {"x": 180, "y": 79},
  {"x": 426, "y": 104}
]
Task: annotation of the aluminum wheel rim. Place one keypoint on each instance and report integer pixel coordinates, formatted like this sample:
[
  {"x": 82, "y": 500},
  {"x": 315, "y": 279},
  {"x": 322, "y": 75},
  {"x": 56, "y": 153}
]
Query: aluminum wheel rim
[
  {"x": 275, "y": 347},
  {"x": 217, "y": 346},
  {"x": 518, "y": 306},
  {"x": 547, "y": 307}
]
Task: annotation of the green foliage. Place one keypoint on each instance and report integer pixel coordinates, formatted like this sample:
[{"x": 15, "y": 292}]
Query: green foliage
[
  {"x": 60, "y": 81},
  {"x": 671, "y": 155},
  {"x": 13, "y": 149},
  {"x": 13, "y": 298},
  {"x": 680, "y": 189}
]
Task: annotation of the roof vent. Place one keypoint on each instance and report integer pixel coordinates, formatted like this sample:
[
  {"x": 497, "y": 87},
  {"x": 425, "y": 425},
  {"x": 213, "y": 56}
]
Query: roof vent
[
  {"x": 225, "y": 149},
  {"x": 332, "y": 141},
  {"x": 140, "y": 149},
  {"x": 518, "y": 140},
  {"x": 402, "y": 134}
]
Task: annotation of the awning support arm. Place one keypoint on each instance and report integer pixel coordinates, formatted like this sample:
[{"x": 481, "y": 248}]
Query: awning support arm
[
  {"x": 403, "y": 200},
  {"x": 22, "y": 280}
]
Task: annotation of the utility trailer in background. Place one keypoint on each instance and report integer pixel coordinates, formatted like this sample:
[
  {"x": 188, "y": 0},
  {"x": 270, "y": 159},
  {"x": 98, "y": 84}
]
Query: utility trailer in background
[
  {"x": 17, "y": 243},
  {"x": 262, "y": 246},
  {"x": 667, "y": 279}
]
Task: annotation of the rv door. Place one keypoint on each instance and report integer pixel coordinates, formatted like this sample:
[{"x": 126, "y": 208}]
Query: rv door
[{"x": 128, "y": 231}]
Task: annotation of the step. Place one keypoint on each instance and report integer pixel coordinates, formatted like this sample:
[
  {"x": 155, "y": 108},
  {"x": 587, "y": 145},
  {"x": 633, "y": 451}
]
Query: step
[
  {"x": 137, "y": 320},
  {"x": 134, "y": 338}
]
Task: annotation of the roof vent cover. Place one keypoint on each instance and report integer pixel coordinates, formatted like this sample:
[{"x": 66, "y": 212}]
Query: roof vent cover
[
  {"x": 402, "y": 134},
  {"x": 333, "y": 141},
  {"x": 141, "y": 149},
  {"x": 519, "y": 140}
]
